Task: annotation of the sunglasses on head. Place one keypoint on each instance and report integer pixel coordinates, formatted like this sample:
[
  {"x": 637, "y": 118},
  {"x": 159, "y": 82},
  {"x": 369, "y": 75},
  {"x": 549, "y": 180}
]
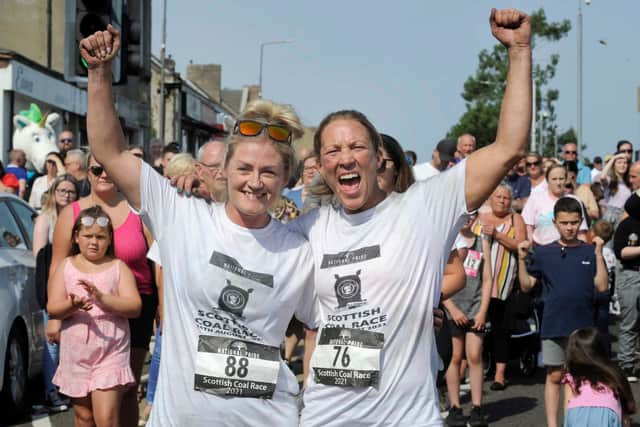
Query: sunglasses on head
[
  {"x": 88, "y": 221},
  {"x": 96, "y": 170},
  {"x": 51, "y": 162},
  {"x": 278, "y": 133}
]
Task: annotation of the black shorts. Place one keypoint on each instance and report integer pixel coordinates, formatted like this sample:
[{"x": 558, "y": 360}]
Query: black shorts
[{"x": 141, "y": 328}]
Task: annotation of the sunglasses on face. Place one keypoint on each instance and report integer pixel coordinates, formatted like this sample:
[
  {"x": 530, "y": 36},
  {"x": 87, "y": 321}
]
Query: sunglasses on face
[
  {"x": 530, "y": 164},
  {"x": 66, "y": 140},
  {"x": 277, "y": 133},
  {"x": 96, "y": 170},
  {"x": 570, "y": 152},
  {"x": 51, "y": 162},
  {"x": 625, "y": 151},
  {"x": 88, "y": 221}
]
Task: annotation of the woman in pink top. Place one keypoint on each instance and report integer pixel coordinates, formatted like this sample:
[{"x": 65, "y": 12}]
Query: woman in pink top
[
  {"x": 538, "y": 211},
  {"x": 93, "y": 294},
  {"x": 597, "y": 393},
  {"x": 131, "y": 243}
]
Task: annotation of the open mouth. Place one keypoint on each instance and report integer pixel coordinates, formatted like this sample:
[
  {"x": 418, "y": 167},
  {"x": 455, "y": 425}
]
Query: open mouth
[
  {"x": 254, "y": 196},
  {"x": 349, "y": 182}
]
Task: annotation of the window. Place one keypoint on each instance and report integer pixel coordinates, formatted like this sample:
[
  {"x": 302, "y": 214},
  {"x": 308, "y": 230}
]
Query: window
[
  {"x": 27, "y": 217},
  {"x": 10, "y": 233}
]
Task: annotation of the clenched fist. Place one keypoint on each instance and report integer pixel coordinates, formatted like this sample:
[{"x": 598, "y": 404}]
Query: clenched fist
[
  {"x": 100, "y": 48},
  {"x": 511, "y": 27}
]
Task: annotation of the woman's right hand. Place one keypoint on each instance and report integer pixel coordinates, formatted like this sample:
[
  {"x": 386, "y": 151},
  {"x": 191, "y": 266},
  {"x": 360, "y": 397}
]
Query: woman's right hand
[
  {"x": 52, "y": 331},
  {"x": 458, "y": 317},
  {"x": 100, "y": 48}
]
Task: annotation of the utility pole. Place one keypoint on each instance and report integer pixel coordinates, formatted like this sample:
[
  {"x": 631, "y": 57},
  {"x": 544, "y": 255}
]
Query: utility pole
[{"x": 162, "y": 53}]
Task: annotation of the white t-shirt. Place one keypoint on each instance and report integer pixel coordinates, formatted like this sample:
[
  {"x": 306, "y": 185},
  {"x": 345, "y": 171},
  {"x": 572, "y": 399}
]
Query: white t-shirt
[
  {"x": 424, "y": 171},
  {"x": 541, "y": 187},
  {"x": 229, "y": 294},
  {"x": 380, "y": 271}
]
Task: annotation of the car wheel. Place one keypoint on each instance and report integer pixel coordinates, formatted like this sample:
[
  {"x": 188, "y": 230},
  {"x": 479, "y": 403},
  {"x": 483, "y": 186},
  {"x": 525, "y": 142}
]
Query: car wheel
[{"x": 14, "y": 389}]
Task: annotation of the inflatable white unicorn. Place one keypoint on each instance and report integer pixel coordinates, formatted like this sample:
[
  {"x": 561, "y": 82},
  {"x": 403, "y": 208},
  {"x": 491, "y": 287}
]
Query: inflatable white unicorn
[{"x": 34, "y": 134}]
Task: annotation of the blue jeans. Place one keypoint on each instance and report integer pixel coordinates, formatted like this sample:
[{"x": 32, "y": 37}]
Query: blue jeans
[
  {"x": 154, "y": 368},
  {"x": 49, "y": 362}
]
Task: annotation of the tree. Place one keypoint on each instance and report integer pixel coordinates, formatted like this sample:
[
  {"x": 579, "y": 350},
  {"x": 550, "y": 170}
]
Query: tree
[{"x": 483, "y": 92}]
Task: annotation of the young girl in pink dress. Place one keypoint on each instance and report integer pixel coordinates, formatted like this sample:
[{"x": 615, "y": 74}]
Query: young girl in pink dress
[
  {"x": 94, "y": 294},
  {"x": 597, "y": 393}
]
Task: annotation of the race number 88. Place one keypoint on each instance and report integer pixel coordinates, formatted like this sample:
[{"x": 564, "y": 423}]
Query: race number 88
[{"x": 241, "y": 371}]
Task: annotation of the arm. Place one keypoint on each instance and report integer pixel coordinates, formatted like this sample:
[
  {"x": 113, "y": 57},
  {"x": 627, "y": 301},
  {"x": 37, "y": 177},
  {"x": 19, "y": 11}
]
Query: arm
[
  {"x": 454, "y": 278},
  {"x": 520, "y": 234},
  {"x": 487, "y": 284},
  {"x": 530, "y": 233},
  {"x": 127, "y": 303},
  {"x": 40, "y": 233},
  {"x": 22, "y": 188},
  {"x": 103, "y": 127},
  {"x": 512, "y": 28},
  {"x": 603, "y": 176},
  {"x": 601, "y": 280},
  {"x": 309, "y": 346},
  {"x": 630, "y": 252},
  {"x": 568, "y": 395},
  {"x": 527, "y": 282},
  {"x": 160, "y": 287},
  {"x": 61, "y": 245},
  {"x": 518, "y": 204}
]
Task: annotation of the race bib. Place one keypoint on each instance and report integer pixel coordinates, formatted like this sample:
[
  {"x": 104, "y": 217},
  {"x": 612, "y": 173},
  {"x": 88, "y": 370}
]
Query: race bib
[
  {"x": 347, "y": 357},
  {"x": 472, "y": 263},
  {"x": 232, "y": 367}
]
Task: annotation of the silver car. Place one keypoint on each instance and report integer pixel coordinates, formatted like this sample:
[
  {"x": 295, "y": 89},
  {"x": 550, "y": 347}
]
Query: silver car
[{"x": 21, "y": 318}]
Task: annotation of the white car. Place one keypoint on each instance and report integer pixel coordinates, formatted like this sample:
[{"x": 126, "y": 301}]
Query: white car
[{"x": 21, "y": 317}]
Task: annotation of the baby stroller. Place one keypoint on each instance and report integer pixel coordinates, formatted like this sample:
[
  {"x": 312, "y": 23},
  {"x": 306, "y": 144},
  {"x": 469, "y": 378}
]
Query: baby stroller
[
  {"x": 523, "y": 323},
  {"x": 524, "y": 342}
]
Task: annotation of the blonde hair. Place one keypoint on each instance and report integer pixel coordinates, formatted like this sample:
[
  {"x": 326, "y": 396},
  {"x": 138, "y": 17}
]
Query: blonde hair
[
  {"x": 180, "y": 164},
  {"x": 49, "y": 204},
  {"x": 272, "y": 113}
]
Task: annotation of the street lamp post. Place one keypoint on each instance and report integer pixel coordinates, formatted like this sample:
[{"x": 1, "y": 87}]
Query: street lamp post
[
  {"x": 579, "y": 77},
  {"x": 262, "y": 45},
  {"x": 162, "y": 73}
]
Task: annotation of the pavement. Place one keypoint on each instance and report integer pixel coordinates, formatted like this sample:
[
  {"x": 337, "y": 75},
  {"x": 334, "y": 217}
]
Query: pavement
[{"x": 521, "y": 404}]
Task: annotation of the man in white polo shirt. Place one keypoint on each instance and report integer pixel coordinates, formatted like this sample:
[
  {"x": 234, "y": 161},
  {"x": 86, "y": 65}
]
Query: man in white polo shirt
[{"x": 442, "y": 157}]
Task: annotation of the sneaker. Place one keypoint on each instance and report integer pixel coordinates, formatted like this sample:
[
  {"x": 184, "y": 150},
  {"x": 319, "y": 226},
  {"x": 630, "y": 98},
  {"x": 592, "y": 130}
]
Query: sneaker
[
  {"x": 630, "y": 374},
  {"x": 56, "y": 403},
  {"x": 456, "y": 417},
  {"x": 477, "y": 417}
]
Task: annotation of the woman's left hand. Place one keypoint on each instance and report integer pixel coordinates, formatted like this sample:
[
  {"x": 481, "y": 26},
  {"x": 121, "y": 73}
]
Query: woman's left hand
[
  {"x": 94, "y": 293},
  {"x": 479, "y": 322}
]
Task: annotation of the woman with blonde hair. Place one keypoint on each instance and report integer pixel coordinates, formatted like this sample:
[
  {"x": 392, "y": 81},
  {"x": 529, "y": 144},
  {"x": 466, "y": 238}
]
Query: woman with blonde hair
[
  {"x": 614, "y": 178},
  {"x": 63, "y": 191}
]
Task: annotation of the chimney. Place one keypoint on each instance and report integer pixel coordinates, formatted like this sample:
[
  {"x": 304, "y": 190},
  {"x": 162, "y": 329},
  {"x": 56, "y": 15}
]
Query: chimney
[{"x": 207, "y": 77}]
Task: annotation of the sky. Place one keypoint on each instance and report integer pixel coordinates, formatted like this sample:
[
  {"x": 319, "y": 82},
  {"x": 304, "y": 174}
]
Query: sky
[{"x": 404, "y": 63}]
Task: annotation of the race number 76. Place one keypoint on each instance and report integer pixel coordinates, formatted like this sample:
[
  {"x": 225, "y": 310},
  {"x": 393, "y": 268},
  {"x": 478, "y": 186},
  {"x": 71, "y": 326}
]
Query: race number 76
[{"x": 345, "y": 359}]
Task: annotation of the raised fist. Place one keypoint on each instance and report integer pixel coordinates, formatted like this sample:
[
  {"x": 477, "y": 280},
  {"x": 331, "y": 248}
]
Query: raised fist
[
  {"x": 100, "y": 48},
  {"x": 511, "y": 27}
]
